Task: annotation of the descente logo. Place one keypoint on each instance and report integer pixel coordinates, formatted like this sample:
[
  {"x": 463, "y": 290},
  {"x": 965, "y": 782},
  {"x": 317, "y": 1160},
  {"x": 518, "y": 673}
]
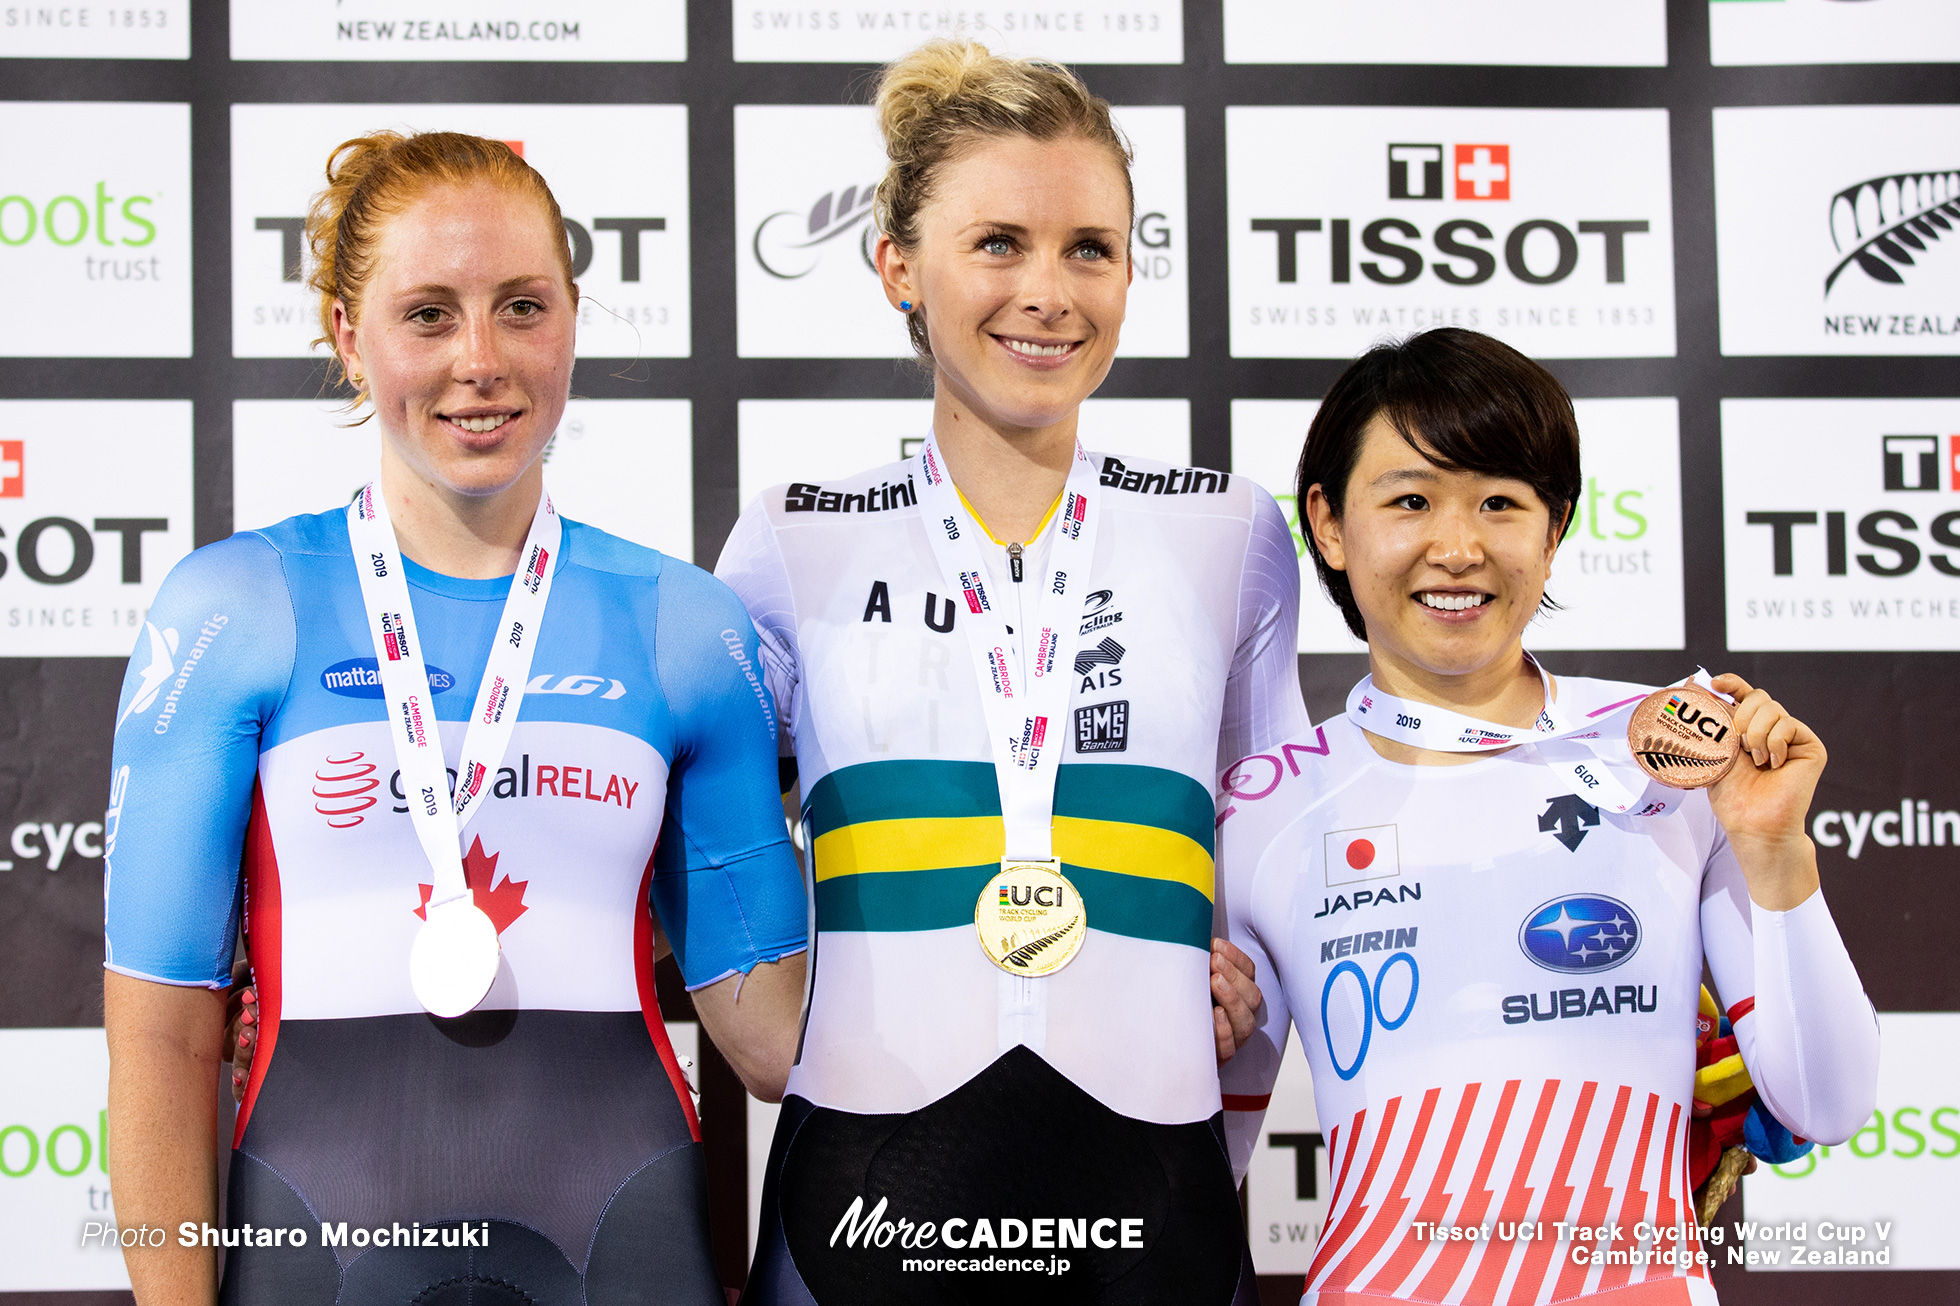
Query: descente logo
[{"x": 867, "y": 1230}]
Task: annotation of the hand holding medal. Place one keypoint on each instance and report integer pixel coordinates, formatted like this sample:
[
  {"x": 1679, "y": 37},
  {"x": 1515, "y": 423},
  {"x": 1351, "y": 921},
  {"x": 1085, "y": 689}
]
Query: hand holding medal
[{"x": 1765, "y": 797}]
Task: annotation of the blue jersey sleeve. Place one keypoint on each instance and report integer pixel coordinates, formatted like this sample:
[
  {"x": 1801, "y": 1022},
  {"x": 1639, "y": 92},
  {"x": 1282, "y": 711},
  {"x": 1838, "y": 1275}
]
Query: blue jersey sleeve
[
  {"x": 210, "y": 669},
  {"x": 725, "y": 883}
]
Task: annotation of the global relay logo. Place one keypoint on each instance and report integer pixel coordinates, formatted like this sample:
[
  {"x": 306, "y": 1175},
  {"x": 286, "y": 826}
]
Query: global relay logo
[
  {"x": 787, "y": 253},
  {"x": 1879, "y": 224}
]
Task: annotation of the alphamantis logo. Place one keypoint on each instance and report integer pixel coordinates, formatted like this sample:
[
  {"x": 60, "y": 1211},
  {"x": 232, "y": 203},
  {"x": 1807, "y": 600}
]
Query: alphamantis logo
[
  {"x": 1878, "y": 224},
  {"x": 90, "y": 221},
  {"x": 361, "y": 678},
  {"x": 787, "y": 253}
]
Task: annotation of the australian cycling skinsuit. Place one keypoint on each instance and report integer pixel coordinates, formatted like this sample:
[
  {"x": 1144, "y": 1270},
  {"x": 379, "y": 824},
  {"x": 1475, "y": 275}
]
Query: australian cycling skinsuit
[
  {"x": 1496, "y": 985},
  {"x": 542, "y": 1148},
  {"x": 953, "y": 1131}
]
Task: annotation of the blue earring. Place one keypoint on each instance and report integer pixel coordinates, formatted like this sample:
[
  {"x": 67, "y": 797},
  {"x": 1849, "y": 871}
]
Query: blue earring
[{"x": 905, "y": 306}]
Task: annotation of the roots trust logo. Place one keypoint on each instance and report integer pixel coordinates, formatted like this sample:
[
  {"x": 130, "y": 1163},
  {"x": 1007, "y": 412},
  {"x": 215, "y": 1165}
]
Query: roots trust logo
[{"x": 96, "y": 218}]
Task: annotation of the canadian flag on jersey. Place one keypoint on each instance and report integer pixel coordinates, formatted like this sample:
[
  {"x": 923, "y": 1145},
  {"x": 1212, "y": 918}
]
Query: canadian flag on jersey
[{"x": 1369, "y": 852}]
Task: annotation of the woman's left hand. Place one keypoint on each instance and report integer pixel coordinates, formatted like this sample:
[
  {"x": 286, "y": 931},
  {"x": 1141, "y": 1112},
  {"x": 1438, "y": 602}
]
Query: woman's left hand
[
  {"x": 1235, "y": 998},
  {"x": 1765, "y": 798}
]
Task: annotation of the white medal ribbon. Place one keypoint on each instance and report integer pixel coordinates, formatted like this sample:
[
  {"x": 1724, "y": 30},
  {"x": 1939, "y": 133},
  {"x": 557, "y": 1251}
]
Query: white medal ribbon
[
  {"x": 1024, "y": 721},
  {"x": 1589, "y": 757},
  {"x": 454, "y": 959}
]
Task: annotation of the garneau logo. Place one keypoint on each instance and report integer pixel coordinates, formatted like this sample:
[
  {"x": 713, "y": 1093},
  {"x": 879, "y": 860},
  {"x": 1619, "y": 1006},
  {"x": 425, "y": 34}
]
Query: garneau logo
[
  {"x": 1912, "y": 824},
  {"x": 1178, "y": 480},
  {"x": 871, "y": 1229},
  {"x": 804, "y": 497}
]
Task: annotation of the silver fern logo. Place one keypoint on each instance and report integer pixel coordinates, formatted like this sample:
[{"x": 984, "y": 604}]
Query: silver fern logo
[
  {"x": 1879, "y": 225},
  {"x": 779, "y": 247}
]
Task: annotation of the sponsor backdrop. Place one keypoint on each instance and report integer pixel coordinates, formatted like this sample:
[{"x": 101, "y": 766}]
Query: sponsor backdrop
[{"x": 1732, "y": 227}]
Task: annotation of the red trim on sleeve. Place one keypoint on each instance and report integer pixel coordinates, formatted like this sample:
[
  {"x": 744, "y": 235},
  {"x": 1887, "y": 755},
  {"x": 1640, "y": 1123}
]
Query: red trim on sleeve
[
  {"x": 1247, "y": 1101},
  {"x": 1741, "y": 1009},
  {"x": 262, "y": 943},
  {"x": 650, "y": 1004}
]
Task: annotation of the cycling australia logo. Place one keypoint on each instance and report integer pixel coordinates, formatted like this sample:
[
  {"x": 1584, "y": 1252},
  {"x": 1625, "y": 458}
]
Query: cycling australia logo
[
  {"x": 1580, "y": 933},
  {"x": 95, "y": 216},
  {"x": 1842, "y": 524},
  {"x": 1549, "y": 228},
  {"x": 789, "y": 245}
]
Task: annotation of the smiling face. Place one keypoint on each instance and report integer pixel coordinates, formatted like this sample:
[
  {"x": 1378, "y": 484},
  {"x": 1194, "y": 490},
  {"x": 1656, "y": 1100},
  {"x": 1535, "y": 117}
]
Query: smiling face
[
  {"x": 1022, "y": 271},
  {"x": 465, "y": 337},
  {"x": 1447, "y": 567}
]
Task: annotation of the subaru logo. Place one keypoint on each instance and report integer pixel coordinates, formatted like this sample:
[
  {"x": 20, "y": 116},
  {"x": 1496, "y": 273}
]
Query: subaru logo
[
  {"x": 361, "y": 678},
  {"x": 1580, "y": 933}
]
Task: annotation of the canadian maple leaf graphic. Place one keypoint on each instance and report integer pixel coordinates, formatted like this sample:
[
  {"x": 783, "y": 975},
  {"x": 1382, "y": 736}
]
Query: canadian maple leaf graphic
[{"x": 502, "y": 905}]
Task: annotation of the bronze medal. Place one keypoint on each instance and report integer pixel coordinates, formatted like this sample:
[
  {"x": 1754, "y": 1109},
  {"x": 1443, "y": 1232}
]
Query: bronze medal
[
  {"x": 1030, "y": 919},
  {"x": 1684, "y": 737}
]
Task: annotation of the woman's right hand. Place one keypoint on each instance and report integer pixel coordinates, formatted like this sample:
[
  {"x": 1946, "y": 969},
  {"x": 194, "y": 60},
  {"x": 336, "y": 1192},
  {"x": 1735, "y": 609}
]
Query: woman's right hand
[{"x": 241, "y": 1027}]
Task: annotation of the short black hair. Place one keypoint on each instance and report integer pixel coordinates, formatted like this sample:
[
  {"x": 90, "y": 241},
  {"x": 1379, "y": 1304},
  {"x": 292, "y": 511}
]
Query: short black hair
[{"x": 1465, "y": 402}]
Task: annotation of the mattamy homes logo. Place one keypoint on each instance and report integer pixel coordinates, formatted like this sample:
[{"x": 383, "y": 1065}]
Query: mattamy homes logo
[
  {"x": 419, "y": 30},
  {"x": 811, "y": 440},
  {"x": 1841, "y": 524},
  {"x": 1838, "y": 229},
  {"x": 54, "y": 1162},
  {"x": 1081, "y": 32},
  {"x": 1617, "y": 576},
  {"x": 95, "y": 216},
  {"x": 157, "y": 29},
  {"x": 1510, "y": 32},
  {"x": 1890, "y": 1182},
  {"x": 805, "y": 283},
  {"x": 95, "y": 509},
  {"x": 1832, "y": 31},
  {"x": 1548, "y": 228},
  {"x": 619, "y": 172},
  {"x": 623, "y": 465}
]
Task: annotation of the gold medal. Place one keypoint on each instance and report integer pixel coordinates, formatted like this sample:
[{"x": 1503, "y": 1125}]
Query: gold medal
[{"x": 1030, "y": 919}]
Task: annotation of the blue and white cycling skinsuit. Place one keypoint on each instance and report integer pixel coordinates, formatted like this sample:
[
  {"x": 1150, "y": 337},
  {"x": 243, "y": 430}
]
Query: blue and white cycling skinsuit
[
  {"x": 551, "y": 1128},
  {"x": 1442, "y": 938}
]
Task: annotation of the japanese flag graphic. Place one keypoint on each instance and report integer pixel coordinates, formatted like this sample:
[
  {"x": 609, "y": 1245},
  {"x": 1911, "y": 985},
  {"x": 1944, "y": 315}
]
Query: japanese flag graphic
[{"x": 1366, "y": 853}]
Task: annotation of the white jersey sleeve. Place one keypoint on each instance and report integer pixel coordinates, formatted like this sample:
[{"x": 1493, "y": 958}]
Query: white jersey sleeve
[
  {"x": 1802, "y": 1021},
  {"x": 1246, "y": 1081},
  {"x": 1262, "y": 693},
  {"x": 751, "y": 564}
]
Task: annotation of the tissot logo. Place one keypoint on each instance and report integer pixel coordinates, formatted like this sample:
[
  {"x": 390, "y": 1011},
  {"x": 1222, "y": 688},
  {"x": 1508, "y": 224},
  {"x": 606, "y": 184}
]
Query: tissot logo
[
  {"x": 805, "y": 176},
  {"x": 1854, "y": 251},
  {"x": 1478, "y": 222},
  {"x": 625, "y": 214},
  {"x": 88, "y": 533},
  {"x": 95, "y": 216},
  {"x": 1843, "y": 532}
]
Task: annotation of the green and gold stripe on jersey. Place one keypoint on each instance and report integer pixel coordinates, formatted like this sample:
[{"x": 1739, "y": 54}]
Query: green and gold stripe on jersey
[{"x": 909, "y": 845}]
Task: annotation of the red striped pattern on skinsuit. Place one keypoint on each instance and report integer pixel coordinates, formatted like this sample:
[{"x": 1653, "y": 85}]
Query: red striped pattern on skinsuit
[{"x": 1525, "y": 1153}]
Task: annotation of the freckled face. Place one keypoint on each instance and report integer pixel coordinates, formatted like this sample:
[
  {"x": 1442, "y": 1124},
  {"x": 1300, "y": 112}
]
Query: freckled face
[
  {"x": 1022, "y": 271},
  {"x": 466, "y": 335},
  {"x": 1447, "y": 567}
]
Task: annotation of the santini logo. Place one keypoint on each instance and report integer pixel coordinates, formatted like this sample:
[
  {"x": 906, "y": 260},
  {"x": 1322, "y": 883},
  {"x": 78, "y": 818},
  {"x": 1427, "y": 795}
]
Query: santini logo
[
  {"x": 1879, "y": 224},
  {"x": 787, "y": 253}
]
